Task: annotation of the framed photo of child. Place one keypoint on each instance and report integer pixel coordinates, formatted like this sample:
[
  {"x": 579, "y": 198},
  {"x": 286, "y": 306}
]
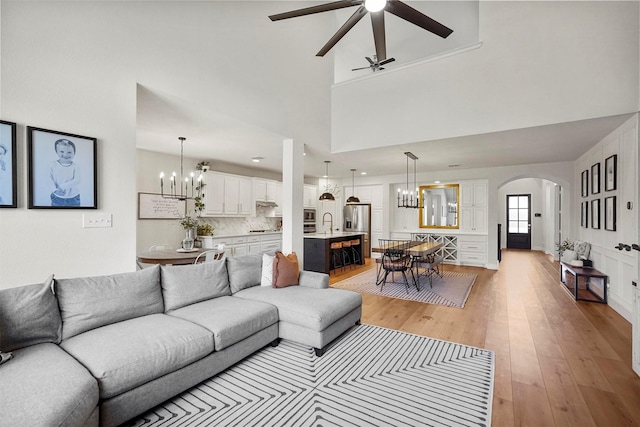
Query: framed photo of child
[
  {"x": 62, "y": 170},
  {"x": 8, "y": 165}
]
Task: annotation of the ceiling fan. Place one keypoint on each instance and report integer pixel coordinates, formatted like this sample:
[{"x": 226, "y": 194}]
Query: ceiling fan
[
  {"x": 377, "y": 9},
  {"x": 374, "y": 64}
]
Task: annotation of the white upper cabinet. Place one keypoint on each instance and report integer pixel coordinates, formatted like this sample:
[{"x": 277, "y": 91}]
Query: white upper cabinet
[
  {"x": 264, "y": 190},
  {"x": 228, "y": 195},
  {"x": 310, "y": 196},
  {"x": 473, "y": 206},
  {"x": 278, "y": 211}
]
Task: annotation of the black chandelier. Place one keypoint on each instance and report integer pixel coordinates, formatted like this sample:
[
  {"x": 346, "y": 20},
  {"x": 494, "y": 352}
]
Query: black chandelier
[
  {"x": 406, "y": 198},
  {"x": 183, "y": 187}
]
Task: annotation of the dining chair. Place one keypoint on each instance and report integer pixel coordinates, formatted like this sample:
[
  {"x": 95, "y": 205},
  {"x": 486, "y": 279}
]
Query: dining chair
[
  {"x": 396, "y": 259},
  {"x": 210, "y": 255}
]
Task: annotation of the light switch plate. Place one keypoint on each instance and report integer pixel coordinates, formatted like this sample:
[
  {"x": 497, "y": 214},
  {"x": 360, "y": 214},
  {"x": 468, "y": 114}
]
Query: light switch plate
[{"x": 96, "y": 220}]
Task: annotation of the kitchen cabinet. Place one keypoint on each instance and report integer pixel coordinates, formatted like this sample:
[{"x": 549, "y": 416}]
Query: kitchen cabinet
[
  {"x": 472, "y": 250},
  {"x": 310, "y": 196},
  {"x": 264, "y": 190},
  {"x": 249, "y": 245},
  {"x": 473, "y": 206},
  {"x": 278, "y": 210},
  {"x": 371, "y": 194},
  {"x": 227, "y": 195}
]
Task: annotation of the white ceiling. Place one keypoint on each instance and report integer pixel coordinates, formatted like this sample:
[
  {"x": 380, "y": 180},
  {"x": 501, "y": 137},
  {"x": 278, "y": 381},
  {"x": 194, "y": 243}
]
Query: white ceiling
[{"x": 212, "y": 134}]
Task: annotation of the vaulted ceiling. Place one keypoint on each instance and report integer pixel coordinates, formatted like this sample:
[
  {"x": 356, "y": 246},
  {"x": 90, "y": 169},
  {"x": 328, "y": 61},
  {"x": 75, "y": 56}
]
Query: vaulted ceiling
[{"x": 516, "y": 83}]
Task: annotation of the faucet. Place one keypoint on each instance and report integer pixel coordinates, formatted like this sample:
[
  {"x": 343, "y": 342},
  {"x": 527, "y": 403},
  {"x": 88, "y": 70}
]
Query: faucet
[{"x": 330, "y": 223}]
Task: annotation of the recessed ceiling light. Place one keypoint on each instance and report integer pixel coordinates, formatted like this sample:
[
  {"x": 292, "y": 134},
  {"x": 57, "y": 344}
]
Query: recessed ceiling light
[
  {"x": 436, "y": 182},
  {"x": 363, "y": 173},
  {"x": 257, "y": 159}
]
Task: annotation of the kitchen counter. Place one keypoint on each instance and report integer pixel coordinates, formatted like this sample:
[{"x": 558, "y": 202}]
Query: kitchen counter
[
  {"x": 225, "y": 235},
  {"x": 317, "y": 249},
  {"x": 335, "y": 235}
]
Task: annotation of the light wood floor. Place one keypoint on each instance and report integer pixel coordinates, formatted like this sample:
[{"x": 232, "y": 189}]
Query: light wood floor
[{"x": 558, "y": 362}]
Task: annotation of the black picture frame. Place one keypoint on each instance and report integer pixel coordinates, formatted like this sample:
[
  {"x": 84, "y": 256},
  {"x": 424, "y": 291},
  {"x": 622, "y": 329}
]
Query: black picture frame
[
  {"x": 62, "y": 185},
  {"x": 585, "y": 183},
  {"x": 584, "y": 214},
  {"x": 8, "y": 165},
  {"x": 611, "y": 173},
  {"x": 610, "y": 213},
  {"x": 595, "y": 178},
  {"x": 595, "y": 213}
]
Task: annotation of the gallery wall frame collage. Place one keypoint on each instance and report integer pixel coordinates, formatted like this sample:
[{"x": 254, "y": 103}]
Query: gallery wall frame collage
[
  {"x": 590, "y": 210},
  {"x": 61, "y": 169}
]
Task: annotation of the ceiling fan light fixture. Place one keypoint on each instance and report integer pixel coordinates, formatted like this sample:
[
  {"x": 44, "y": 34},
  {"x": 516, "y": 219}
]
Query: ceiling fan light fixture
[{"x": 375, "y": 5}]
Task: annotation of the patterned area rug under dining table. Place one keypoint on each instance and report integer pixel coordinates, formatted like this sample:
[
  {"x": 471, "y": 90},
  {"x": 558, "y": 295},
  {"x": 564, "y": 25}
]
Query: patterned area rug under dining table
[
  {"x": 370, "y": 376},
  {"x": 452, "y": 289}
]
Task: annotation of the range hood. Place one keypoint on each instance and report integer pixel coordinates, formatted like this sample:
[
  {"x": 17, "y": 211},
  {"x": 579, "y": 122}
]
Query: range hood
[{"x": 260, "y": 204}]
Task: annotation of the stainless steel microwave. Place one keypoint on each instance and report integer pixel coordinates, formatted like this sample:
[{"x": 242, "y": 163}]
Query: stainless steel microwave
[{"x": 309, "y": 216}]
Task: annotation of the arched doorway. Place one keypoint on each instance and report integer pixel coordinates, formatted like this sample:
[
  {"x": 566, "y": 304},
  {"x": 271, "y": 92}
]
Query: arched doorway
[{"x": 530, "y": 211}]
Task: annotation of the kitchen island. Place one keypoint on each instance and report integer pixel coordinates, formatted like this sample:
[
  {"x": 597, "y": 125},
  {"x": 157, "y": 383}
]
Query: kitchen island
[{"x": 317, "y": 249}]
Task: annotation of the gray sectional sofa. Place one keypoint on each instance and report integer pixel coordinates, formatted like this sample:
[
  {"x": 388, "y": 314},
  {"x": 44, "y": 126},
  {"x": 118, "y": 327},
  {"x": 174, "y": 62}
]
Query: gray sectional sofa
[{"x": 101, "y": 350}]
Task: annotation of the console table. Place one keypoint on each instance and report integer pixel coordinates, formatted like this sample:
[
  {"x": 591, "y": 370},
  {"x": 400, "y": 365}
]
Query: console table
[{"x": 586, "y": 284}]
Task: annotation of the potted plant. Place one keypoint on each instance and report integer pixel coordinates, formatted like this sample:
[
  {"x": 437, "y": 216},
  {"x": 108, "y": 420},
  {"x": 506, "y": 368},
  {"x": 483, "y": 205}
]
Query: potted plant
[
  {"x": 203, "y": 166},
  {"x": 205, "y": 235},
  {"x": 565, "y": 250},
  {"x": 189, "y": 224}
]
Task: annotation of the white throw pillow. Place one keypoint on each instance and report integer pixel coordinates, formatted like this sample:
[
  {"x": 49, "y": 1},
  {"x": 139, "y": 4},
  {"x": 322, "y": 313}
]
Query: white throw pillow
[{"x": 267, "y": 270}]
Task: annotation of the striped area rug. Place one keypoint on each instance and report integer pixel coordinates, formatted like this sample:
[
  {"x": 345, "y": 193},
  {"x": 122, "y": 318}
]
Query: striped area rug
[
  {"x": 452, "y": 289},
  {"x": 370, "y": 376}
]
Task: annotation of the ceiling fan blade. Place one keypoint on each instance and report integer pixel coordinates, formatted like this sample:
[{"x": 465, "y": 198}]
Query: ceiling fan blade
[
  {"x": 315, "y": 9},
  {"x": 386, "y": 61},
  {"x": 402, "y": 10},
  {"x": 377, "y": 21},
  {"x": 361, "y": 68},
  {"x": 353, "y": 20},
  {"x": 369, "y": 59}
]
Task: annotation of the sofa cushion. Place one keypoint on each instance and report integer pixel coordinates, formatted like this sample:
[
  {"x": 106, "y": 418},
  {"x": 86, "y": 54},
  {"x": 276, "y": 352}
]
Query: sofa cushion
[
  {"x": 314, "y": 309},
  {"x": 44, "y": 386},
  {"x": 285, "y": 270},
  {"x": 124, "y": 355},
  {"x": 187, "y": 284},
  {"x": 90, "y": 302},
  {"x": 230, "y": 319},
  {"x": 244, "y": 271},
  {"x": 29, "y": 315}
]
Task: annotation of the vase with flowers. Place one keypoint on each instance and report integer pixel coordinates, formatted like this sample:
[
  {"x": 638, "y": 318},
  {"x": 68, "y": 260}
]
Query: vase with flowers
[{"x": 189, "y": 224}]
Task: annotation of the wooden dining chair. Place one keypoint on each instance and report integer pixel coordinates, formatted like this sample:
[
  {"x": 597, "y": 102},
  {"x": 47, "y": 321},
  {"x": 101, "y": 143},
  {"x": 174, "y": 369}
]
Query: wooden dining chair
[
  {"x": 396, "y": 259},
  {"x": 210, "y": 255}
]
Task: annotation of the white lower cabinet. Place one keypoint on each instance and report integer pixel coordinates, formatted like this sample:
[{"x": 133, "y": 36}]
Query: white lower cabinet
[
  {"x": 249, "y": 245},
  {"x": 472, "y": 250}
]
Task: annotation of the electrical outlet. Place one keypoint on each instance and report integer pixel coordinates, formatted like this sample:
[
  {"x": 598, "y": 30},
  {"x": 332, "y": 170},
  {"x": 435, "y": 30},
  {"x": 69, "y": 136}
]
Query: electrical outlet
[{"x": 96, "y": 220}]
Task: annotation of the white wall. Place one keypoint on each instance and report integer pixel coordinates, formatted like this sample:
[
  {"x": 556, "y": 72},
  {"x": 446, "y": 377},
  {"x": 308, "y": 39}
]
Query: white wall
[
  {"x": 541, "y": 63},
  {"x": 620, "y": 266},
  {"x": 75, "y": 66}
]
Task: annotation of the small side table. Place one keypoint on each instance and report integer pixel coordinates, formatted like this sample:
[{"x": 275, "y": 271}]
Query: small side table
[{"x": 585, "y": 284}]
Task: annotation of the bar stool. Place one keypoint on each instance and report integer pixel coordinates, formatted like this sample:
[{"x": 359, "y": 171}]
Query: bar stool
[
  {"x": 346, "y": 253},
  {"x": 336, "y": 256},
  {"x": 355, "y": 253}
]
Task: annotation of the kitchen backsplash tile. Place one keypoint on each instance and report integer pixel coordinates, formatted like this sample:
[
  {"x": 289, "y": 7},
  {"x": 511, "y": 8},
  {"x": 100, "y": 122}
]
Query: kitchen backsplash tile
[{"x": 242, "y": 225}]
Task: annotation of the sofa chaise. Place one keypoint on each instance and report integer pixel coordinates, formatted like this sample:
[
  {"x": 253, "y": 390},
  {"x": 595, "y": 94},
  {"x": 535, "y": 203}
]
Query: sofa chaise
[{"x": 101, "y": 350}]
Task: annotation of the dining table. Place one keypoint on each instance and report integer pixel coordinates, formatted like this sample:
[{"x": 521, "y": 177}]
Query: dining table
[
  {"x": 417, "y": 250},
  {"x": 169, "y": 256}
]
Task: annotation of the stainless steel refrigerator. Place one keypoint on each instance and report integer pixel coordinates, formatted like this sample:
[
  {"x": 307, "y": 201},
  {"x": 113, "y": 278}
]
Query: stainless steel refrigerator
[{"x": 357, "y": 217}]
